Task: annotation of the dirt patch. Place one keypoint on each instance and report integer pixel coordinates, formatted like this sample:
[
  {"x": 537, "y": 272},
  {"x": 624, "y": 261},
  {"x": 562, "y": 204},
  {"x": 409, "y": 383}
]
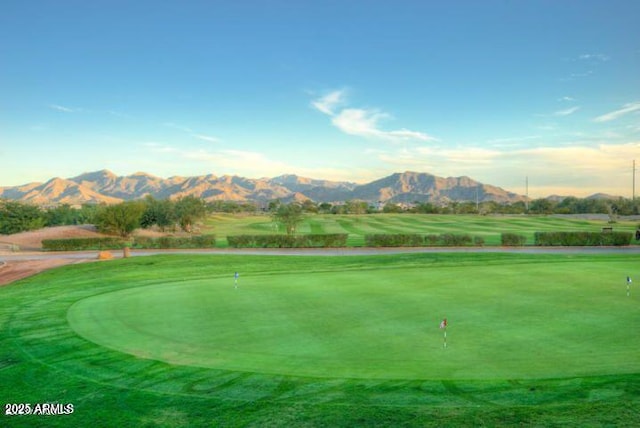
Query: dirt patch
[
  {"x": 30, "y": 241},
  {"x": 12, "y": 271}
]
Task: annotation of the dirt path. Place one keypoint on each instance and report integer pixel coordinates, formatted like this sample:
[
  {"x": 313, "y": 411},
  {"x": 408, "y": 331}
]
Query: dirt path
[{"x": 11, "y": 271}]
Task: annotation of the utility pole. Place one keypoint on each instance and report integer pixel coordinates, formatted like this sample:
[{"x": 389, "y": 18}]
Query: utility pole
[
  {"x": 526, "y": 200},
  {"x": 633, "y": 198}
]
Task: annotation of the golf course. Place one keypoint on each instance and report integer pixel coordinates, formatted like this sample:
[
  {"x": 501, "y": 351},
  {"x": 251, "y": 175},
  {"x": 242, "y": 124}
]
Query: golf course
[{"x": 174, "y": 340}]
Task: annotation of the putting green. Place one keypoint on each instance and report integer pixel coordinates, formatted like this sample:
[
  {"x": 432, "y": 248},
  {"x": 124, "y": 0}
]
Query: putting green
[{"x": 505, "y": 322}]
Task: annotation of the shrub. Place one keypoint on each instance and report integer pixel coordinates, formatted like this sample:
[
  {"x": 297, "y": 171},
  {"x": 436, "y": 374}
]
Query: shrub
[
  {"x": 431, "y": 240},
  {"x": 582, "y": 238},
  {"x": 412, "y": 240},
  {"x": 512, "y": 240},
  {"x": 288, "y": 241},
  {"x": 165, "y": 242},
  {"x": 453, "y": 240},
  {"x": 393, "y": 240},
  {"x": 79, "y": 244}
]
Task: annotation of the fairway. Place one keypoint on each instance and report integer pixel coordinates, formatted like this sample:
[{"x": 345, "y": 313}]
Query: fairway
[
  {"x": 513, "y": 321},
  {"x": 489, "y": 227}
]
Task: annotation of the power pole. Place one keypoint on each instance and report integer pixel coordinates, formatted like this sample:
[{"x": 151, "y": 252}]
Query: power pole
[
  {"x": 526, "y": 200},
  {"x": 633, "y": 198}
]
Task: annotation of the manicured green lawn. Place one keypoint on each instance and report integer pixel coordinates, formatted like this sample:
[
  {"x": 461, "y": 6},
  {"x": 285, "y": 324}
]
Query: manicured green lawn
[
  {"x": 546, "y": 340},
  {"x": 489, "y": 228}
]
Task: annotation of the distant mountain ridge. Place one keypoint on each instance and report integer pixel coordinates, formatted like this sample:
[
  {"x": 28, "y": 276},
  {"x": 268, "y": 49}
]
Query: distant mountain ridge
[{"x": 106, "y": 187}]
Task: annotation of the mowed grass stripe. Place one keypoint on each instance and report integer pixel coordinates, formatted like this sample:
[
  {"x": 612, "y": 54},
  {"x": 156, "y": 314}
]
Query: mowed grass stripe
[{"x": 488, "y": 227}]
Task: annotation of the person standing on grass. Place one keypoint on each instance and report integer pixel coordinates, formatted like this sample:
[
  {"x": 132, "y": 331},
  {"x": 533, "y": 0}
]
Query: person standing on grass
[{"x": 236, "y": 279}]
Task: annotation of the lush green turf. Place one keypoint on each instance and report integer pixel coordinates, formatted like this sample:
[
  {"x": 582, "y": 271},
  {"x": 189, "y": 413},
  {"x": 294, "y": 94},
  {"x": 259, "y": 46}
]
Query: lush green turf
[
  {"x": 322, "y": 341},
  {"x": 489, "y": 228}
]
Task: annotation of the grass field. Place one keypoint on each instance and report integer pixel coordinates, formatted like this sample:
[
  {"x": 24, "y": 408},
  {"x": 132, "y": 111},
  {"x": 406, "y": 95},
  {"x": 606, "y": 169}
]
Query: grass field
[
  {"x": 534, "y": 340},
  {"x": 488, "y": 227}
]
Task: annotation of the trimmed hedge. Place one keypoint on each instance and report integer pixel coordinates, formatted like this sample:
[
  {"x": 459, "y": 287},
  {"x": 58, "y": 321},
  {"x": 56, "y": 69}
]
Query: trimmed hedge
[
  {"x": 288, "y": 241},
  {"x": 394, "y": 240},
  {"x": 165, "y": 242},
  {"x": 586, "y": 239},
  {"x": 512, "y": 240},
  {"x": 415, "y": 240},
  {"x": 77, "y": 244},
  {"x": 80, "y": 244}
]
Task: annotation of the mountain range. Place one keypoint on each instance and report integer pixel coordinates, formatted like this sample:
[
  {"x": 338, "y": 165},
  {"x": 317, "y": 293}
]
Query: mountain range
[{"x": 106, "y": 187}]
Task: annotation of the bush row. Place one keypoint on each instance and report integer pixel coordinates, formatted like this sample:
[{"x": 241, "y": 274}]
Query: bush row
[
  {"x": 79, "y": 244},
  {"x": 512, "y": 240},
  {"x": 415, "y": 240},
  {"x": 582, "y": 238},
  {"x": 288, "y": 241},
  {"x": 196, "y": 241}
]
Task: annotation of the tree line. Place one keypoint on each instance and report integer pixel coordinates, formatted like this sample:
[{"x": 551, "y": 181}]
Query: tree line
[
  {"x": 166, "y": 214},
  {"x": 117, "y": 219}
]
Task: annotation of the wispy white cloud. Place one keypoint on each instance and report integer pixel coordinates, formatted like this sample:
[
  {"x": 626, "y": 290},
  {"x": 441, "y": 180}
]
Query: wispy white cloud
[
  {"x": 363, "y": 122},
  {"x": 178, "y": 127},
  {"x": 192, "y": 133},
  {"x": 119, "y": 114},
  {"x": 206, "y": 138},
  {"x": 511, "y": 141},
  {"x": 626, "y": 109},
  {"x": 594, "y": 57},
  {"x": 327, "y": 103},
  {"x": 159, "y": 147},
  {"x": 583, "y": 74},
  {"x": 63, "y": 109},
  {"x": 567, "y": 112},
  {"x": 566, "y": 98}
]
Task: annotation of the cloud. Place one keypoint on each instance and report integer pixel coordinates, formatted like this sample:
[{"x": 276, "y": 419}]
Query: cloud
[
  {"x": 119, "y": 114},
  {"x": 567, "y": 112},
  {"x": 178, "y": 127},
  {"x": 512, "y": 141},
  {"x": 593, "y": 57},
  {"x": 363, "y": 122},
  {"x": 159, "y": 147},
  {"x": 329, "y": 102},
  {"x": 206, "y": 138},
  {"x": 554, "y": 170},
  {"x": 63, "y": 109},
  {"x": 585, "y": 74},
  {"x": 565, "y": 98},
  {"x": 626, "y": 109}
]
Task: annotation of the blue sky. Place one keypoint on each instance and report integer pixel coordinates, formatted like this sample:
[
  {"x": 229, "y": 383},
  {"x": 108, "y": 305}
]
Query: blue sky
[{"x": 341, "y": 90}]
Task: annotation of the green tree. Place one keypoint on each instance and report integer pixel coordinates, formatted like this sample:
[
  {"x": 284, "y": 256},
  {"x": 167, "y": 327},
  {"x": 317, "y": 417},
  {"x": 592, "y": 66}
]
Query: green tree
[
  {"x": 356, "y": 207},
  {"x": 189, "y": 210},
  {"x": 62, "y": 215},
  {"x": 290, "y": 215},
  {"x": 324, "y": 208},
  {"x": 158, "y": 212},
  {"x": 309, "y": 206},
  {"x": 18, "y": 217},
  {"x": 541, "y": 206},
  {"x": 120, "y": 219},
  {"x": 390, "y": 207}
]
